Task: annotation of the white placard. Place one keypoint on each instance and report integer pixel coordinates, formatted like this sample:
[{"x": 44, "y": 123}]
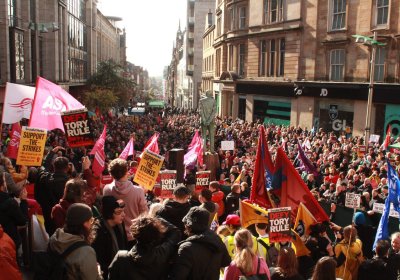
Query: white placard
[
  {"x": 378, "y": 208},
  {"x": 227, "y": 145},
  {"x": 353, "y": 200},
  {"x": 374, "y": 138}
]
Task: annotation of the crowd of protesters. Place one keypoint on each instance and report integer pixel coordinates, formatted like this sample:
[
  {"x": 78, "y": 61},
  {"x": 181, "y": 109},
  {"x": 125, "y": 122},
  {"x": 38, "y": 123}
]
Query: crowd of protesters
[{"x": 133, "y": 234}]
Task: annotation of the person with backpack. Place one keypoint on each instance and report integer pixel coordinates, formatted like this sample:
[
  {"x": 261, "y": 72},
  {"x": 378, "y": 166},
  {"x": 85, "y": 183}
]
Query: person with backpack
[
  {"x": 265, "y": 249},
  {"x": 80, "y": 261},
  {"x": 49, "y": 187},
  {"x": 245, "y": 262}
]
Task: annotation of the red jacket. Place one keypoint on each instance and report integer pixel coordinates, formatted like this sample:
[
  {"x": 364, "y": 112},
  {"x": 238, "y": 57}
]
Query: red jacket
[
  {"x": 218, "y": 197},
  {"x": 8, "y": 260}
]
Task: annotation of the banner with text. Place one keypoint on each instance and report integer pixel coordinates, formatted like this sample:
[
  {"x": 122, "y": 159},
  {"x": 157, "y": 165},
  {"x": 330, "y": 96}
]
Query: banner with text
[
  {"x": 77, "y": 128},
  {"x": 168, "y": 183},
  {"x": 202, "y": 180},
  {"x": 148, "y": 169},
  {"x": 227, "y": 145},
  {"x": 31, "y": 146},
  {"x": 279, "y": 224}
]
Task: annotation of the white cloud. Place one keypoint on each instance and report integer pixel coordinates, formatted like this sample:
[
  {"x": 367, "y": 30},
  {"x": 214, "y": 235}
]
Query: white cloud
[{"x": 150, "y": 29}]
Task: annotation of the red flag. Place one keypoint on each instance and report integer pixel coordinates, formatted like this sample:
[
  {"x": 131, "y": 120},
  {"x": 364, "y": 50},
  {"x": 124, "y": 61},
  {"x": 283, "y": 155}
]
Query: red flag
[
  {"x": 294, "y": 190},
  {"x": 12, "y": 148},
  {"x": 128, "y": 151},
  {"x": 99, "y": 155},
  {"x": 152, "y": 144},
  {"x": 262, "y": 176},
  {"x": 386, "y": 143}
]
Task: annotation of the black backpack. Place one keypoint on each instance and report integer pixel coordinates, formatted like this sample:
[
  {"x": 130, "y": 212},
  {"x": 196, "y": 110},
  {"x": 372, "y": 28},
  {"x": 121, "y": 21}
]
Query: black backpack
[
  {"x": 51, "y": 265},
  {"x": 272, "y": 253}
]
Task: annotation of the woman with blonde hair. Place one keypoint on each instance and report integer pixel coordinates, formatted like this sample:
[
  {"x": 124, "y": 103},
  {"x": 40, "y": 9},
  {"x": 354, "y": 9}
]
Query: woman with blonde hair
[
  {"x": 287, "y": 268},
  {"x": 349, "y": 254},
  {"x": 245, "y": 262}
]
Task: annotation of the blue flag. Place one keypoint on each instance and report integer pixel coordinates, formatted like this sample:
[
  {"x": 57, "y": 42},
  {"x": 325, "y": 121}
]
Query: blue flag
[{"x": 393, "y": 197}]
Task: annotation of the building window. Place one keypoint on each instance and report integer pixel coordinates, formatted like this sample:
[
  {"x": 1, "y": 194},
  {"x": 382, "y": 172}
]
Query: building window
[
  {"x": 263, "y": 57},
  {"x": 337, "y": 64},
  {"x": 242, "y": 55},
  {"x": 382, "y": 10},
  {"x": 242, "y": 17},
  {"x": 273, "y": 11},
  {"x": 12, "y": 13},
  {"x": 232, "y": 19},
  {"x": 219, "y": 26},
  {"x": 272, "y": 57},
  {"x": 218, "y": 63},
  {"x": 379, "y": 71},
  {"x": 19, "y": 56},
  {"x": 338, "y": 14},
  {"x": 281, "y": 69},
  {"x": 230, "y": 57}
]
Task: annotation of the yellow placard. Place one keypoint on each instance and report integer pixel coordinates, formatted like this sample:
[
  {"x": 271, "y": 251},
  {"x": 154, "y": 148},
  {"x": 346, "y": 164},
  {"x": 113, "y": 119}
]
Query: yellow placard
[
  {"x": 31, "y": 146},
  {"x": 148, "y": 169}
]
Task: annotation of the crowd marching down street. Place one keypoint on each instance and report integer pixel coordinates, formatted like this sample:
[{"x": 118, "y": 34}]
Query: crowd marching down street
[{"x": 93, "y": 196}]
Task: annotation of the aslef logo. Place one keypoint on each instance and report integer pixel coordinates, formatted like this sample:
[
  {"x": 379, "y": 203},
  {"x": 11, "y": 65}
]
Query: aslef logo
[{"x": 25, "y": 103}]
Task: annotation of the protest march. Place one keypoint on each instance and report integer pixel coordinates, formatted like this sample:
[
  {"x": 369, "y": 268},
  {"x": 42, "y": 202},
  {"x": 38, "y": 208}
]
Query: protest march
[{"x": 101, "y": 195}]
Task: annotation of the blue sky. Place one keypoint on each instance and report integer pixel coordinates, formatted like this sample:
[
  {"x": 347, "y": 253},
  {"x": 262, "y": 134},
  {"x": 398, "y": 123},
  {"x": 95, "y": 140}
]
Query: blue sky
[{"x": 151, "y": 28}]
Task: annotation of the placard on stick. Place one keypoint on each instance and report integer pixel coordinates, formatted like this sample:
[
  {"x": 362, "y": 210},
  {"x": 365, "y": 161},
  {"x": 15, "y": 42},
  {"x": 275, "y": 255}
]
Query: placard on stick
[
  {"x": 77, "y": 128},
  {"x": 168, "y": 183},
  {"x": 202, "y": 180},
  {"x": 31, "y": 146},
  {"x": 279, "y": 224},
  {"x": 353, "y": 200},
  {"x": 148, "y": 169}
]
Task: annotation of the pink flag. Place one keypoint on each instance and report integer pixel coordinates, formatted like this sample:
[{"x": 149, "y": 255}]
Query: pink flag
[
  {"x": 50, "y": 100},
  {"x": 100, "y": 142},
  {"x": 99, "y": 155},
  {"x": 128, "y": 151},
  {"x": 152, "y": 144},
  {"x": 195, "y": 151},
  {"x": 12, "y": 149}
]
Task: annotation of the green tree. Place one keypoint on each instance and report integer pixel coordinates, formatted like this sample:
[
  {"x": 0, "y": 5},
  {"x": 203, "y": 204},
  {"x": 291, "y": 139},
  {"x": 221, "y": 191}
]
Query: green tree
[
  {"x": 100, "y": 98},
  {"x": 109, "y": 76}
]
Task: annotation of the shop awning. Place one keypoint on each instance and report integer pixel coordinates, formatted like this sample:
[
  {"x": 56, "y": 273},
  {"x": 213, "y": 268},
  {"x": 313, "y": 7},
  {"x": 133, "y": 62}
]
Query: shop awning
[{"x": 156, "y": 103}]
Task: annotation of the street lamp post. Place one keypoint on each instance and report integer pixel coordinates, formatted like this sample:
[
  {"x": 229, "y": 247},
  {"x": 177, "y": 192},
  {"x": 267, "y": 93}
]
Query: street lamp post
[{"x": 374, "y": 44}]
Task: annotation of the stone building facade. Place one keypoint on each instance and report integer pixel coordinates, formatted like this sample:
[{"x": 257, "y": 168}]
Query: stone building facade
[{"x": 296, "y": 63}]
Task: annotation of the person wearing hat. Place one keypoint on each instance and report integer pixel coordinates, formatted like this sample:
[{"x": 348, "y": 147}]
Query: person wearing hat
[
  {"x": 110, "y": 232},
  {"x": 175, "y": 209},
  {"x": 155, "y": 243},
  {"x": 202, "y": 254},
  {"x": 80, "y": 263}
]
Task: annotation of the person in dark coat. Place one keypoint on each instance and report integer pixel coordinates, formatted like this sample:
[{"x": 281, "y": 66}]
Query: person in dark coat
[
  {"x": 49, "y": 187},
  {"x": 110, "y": 232},
  {"x": 232, "y": 200},
  {"x": 174, "y": 210},
  {"x": 12, "y": 215},
  {"x": 155, "y": 244},
  {"x": 376, "y": 268},
  {"x": 202, "y": 254}
]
